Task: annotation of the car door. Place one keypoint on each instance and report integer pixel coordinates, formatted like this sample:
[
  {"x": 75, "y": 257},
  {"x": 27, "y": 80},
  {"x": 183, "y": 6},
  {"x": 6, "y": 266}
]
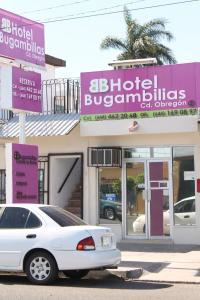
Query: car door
[{"x": 18, "y": 234}]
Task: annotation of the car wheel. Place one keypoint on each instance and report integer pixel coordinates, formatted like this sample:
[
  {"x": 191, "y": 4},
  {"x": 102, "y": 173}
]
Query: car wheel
[
  {"x": 76, "y": 274},
  {"x": 41, "y": 268},
  {"x": 109, "y": 213}
]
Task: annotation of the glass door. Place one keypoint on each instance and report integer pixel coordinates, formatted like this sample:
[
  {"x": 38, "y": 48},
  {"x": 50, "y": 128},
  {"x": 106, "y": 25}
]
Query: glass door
[
  {"x": 136, "y": 205},
  {"x": 147, "y": 192}
]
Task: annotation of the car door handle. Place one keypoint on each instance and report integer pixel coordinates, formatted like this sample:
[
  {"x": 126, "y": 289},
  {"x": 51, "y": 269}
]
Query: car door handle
[
  {"x": 186, "y": 216},
  {"x": 31, "y": 236}
]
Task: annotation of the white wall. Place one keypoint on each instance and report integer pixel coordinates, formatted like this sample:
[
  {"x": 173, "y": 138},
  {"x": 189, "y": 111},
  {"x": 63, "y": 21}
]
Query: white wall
[{"x": 59, "y": 168}]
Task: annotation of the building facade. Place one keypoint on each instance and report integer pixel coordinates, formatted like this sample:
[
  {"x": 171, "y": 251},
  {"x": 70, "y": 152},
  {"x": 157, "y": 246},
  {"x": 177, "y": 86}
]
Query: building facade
[{"x": 134, "y": 170}]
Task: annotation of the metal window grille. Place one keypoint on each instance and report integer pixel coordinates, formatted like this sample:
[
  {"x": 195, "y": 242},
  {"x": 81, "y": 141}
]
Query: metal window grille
[
  {"x": 43, "y": 179},
  {"x": 104, "y": 157}
]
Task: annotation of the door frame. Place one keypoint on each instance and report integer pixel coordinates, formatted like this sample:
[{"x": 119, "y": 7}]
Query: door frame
[{"x": 146, "y": 162}]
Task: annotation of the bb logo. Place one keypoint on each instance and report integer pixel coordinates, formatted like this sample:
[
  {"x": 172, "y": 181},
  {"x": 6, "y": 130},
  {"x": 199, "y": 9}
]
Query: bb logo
[
  {"x": 99, "y": 86},
  {"x": 17, "y": 155}
]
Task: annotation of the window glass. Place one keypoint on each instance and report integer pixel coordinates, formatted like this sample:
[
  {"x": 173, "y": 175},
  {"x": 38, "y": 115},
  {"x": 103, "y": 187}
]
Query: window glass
[
  {"x": 161, "y": 152},
  {"x": 14, "y": 217},
  {"x": 137, "y": 153},
  {"x": 33, "y": 221},
  {"x": 62, "y": 217},
  {"x": 184, "y": 186},
  {"x": 110, "y": 205}
]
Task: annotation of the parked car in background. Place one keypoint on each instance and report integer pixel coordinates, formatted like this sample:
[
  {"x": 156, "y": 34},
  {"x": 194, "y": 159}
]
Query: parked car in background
[
  {"x": 110, "y": 209},
  {"x": 41, "y": 240},
  {"x": 184, "y": 214}
]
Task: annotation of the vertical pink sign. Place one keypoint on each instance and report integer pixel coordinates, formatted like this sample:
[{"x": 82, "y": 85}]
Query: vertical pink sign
[{"x": 21, "y": 173}]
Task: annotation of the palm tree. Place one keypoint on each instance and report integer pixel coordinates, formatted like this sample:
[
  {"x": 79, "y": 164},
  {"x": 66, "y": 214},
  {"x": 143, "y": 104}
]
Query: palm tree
[{"x": 142, "y": 41}]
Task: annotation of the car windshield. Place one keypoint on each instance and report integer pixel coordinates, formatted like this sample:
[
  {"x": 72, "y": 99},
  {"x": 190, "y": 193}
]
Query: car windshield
[{"x": 62, "y": 217}]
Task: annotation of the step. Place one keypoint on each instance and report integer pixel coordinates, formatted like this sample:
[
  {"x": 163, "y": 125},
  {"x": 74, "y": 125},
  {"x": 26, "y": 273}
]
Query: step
[
  {"x": 76, "y": 194},
  {"x": 74, "y": 203},
  {"x": 74, "y": 210}
]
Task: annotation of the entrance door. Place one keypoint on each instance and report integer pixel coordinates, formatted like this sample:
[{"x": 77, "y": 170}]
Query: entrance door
[{"x": 147, "y": 199}]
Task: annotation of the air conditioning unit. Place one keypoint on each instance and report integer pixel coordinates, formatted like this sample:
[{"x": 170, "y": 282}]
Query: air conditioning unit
[{"x": 104, "y": 157}]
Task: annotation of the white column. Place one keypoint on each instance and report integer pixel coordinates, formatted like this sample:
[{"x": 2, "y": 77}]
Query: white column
[{"x": 22, "y": 124}]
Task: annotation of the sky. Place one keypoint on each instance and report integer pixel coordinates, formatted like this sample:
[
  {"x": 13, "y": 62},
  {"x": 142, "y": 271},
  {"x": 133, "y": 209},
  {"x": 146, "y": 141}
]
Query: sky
[{"x": 78, "y": 40}]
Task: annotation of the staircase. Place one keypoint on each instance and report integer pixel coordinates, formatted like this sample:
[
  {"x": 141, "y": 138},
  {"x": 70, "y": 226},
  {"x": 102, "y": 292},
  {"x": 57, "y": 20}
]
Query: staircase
[{"x": 74, "y": 203}]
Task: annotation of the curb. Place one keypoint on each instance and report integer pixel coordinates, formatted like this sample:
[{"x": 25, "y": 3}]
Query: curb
[
  {"x": 168, "y": 281},
  {"x": 127, "y": 273}
]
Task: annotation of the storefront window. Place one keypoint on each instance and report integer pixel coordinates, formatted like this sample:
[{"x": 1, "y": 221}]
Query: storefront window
[
  {"x": 184, "y": 186},
  {"x": 110, "y": 204}
]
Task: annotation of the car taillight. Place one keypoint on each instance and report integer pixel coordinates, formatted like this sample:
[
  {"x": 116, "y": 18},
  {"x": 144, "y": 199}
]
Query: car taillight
[{"x": 86, "y": 244}]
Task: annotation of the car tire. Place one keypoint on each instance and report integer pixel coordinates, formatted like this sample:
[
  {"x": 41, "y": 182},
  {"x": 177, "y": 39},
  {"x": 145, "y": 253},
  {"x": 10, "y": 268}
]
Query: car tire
[
  {"x": 109, "y": 213},
  {"x": 75, "y": 274},
  {"x": 41, "y": 268}
]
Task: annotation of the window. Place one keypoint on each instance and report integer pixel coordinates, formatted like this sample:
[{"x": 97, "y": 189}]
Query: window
[
  {"x": 184, "y": 185},
  {"x": 62, "y": 217},
  {"x": 14, "y": 217},
  {"x": 18, "y": 217},
  {"x": 33, "y": 221},
  {"x": 110, "y": 205},
  {"x": 185, "y": 206}
]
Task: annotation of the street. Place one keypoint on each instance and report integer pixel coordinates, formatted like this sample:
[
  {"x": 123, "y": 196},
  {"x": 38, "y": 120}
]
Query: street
[{"x": 13, "y": 287}]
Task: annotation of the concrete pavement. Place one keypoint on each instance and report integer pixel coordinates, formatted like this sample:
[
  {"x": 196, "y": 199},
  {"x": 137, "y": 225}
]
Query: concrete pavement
[{"x": 161, "y": 262}]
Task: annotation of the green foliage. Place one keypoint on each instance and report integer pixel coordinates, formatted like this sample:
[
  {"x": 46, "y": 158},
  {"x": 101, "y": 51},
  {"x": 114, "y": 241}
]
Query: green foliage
[
  {"x": 132, "y": 182},
  {"x": 142, "y": 41}
]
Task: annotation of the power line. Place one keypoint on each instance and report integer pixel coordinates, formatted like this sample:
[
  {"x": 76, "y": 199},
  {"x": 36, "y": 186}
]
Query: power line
[
  {"x": 53, "y": 7},
  {"x": 93, "y": 11},
  {"x": 106, "y": 13},
  {"x": 116, "y": 12}
]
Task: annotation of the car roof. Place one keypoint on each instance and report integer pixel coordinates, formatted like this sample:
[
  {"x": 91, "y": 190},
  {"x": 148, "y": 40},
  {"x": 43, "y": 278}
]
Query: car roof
[
  {"x": 185, "y": 199},
  {"x": 25, "y": 205}
]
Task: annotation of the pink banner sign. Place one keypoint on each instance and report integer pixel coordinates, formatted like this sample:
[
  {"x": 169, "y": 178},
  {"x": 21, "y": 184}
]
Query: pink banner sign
[
  {"x": 21, "y": 38},
  {"x": 141, "y": 92},
  {"x": 21, "y": 173},
  {"x": 26, "y": 90}
]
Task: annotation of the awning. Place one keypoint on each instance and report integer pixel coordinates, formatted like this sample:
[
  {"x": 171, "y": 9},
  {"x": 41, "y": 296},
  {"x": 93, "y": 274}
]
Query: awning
[{"x": 41, "y": 125}]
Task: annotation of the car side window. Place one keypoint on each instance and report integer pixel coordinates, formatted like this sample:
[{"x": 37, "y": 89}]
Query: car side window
[
  {"x": 184, "y": 207},
  {"x": 14, "y": 217},
  {"x": 33, "y": 221}
]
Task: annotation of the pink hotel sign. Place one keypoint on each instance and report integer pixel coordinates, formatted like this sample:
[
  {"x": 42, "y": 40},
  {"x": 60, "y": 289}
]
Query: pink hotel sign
[
  {"x": 21, "y": 38},
  {"x": 170, "y": 90}
]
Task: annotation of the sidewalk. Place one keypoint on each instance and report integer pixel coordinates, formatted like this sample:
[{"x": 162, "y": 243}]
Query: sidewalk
[{"x": 162, "y": 262}]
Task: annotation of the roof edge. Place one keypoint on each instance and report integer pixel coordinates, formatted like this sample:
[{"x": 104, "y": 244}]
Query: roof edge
[{"x": 54, "y": 61}]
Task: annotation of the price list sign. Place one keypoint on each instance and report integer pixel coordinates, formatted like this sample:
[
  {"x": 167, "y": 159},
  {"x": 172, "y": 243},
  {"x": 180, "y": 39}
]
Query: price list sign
[
  {"x": 20, "y": 90},
  {"x": 26, "y": 90}
]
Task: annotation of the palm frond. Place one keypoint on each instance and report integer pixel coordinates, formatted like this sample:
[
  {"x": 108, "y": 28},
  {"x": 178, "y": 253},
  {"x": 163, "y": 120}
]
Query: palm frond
[{"x": 112, "y": 42}]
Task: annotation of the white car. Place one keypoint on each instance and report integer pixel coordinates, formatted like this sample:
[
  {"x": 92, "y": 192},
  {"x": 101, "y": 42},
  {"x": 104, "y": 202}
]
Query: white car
[
  {"x": 41, "y": 240},
  {"x": 184, "y": 214}
]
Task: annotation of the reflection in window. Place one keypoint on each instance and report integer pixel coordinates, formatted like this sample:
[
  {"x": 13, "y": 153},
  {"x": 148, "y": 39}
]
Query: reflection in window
[
  {"x": 184, "y": 186},
  {"x": 137, "y": 153},
  {"x": 110, "y": 205}
]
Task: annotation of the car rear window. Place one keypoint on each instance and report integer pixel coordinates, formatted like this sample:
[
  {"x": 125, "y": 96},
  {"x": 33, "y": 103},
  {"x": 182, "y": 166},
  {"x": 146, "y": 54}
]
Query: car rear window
[{"x": 62, "y": 217}]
